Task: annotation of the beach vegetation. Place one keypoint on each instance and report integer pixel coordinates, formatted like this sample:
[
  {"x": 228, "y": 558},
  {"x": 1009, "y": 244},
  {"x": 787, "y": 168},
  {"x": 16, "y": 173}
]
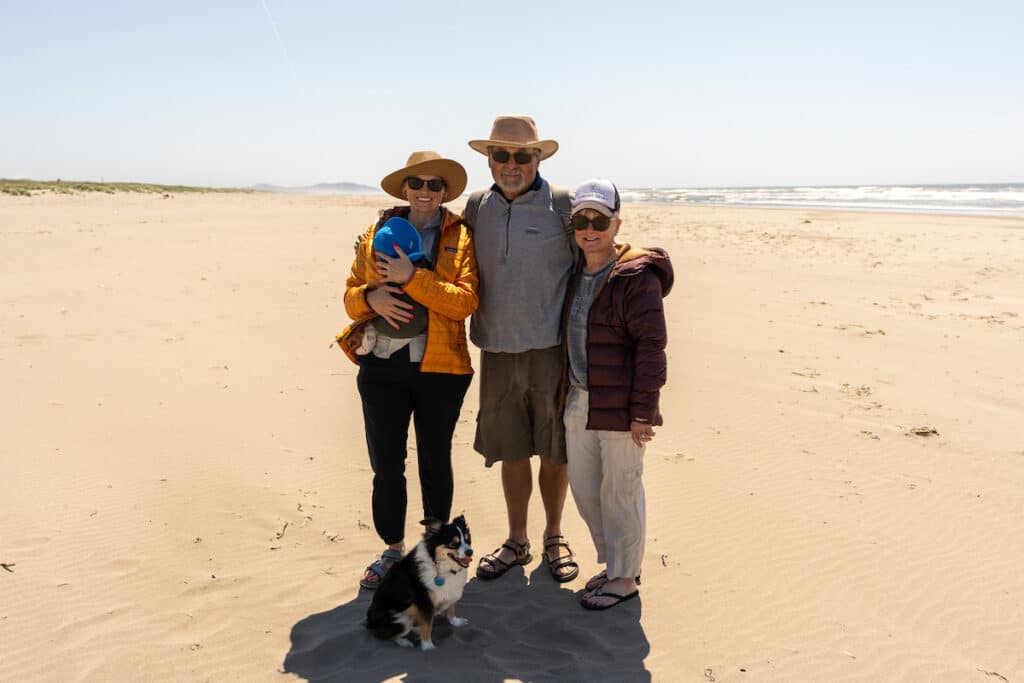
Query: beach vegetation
[{"x": 27, "y": 188}]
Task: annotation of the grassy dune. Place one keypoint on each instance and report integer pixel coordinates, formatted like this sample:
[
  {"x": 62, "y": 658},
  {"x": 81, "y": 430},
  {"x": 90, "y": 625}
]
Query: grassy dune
[{"x": 26, "y": 188}]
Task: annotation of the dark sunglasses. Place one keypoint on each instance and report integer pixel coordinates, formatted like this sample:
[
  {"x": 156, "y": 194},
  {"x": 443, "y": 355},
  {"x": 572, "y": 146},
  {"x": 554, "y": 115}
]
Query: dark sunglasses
[
  {"x": 501, "y": 156},
  {"x": 434, "y": 184},
  {"x": 600, "y": 222}
]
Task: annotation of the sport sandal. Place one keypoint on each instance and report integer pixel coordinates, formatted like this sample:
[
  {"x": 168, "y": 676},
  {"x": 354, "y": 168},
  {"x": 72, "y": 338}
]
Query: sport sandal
[
  {"x": 561, "y": 561},
  {"x": 380, "y": 567},
  {"x": 498, "y": 566}
]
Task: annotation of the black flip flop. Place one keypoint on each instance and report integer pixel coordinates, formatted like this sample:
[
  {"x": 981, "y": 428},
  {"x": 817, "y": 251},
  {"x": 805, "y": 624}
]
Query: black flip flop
[
  {"x": 598, "y": 580},
  {"x": 618, "y": 599}
]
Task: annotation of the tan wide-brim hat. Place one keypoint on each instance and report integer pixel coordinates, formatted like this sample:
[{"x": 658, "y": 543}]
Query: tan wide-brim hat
[
  {"x": 515, "y": 131},
  {"x": 427, "y": 162}
]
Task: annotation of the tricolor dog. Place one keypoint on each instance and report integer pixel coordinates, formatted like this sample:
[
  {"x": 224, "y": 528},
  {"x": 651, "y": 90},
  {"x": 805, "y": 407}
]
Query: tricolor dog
[{"x": 426, "y": 582}]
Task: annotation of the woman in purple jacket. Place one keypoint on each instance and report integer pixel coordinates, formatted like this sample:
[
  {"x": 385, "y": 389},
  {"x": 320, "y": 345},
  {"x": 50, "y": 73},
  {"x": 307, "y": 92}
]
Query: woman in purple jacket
[{"x": 613, "y": 329}]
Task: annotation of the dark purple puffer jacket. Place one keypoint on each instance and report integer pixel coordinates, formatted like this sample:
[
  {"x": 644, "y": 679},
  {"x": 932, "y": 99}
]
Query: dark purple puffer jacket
[{"x": 626, "y": 338}]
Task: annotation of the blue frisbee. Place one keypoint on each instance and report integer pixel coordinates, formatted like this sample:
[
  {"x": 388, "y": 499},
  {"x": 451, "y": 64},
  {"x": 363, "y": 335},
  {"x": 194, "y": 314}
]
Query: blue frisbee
[{"x": 401, "y": 232}]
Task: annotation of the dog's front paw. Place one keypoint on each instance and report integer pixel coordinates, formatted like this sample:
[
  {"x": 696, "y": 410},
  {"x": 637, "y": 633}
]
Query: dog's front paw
[
  {"x": 457, "y": 621},
  {"x": 426, "y": 645},
  {"x": 403, "y": 642}
]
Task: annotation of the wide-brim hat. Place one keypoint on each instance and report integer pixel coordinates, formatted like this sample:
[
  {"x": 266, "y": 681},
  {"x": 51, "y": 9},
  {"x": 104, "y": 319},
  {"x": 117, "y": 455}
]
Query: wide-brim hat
[
  {"x": 427, "y": 162},
  {"x": 515, "y": 131}
]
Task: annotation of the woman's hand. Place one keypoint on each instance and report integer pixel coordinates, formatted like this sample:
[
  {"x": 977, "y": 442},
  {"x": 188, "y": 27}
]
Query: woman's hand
[
  {"x": 642, "y": 432},
  {"x": 386, "y": 305},
  {"x": 397, "y": 269}
]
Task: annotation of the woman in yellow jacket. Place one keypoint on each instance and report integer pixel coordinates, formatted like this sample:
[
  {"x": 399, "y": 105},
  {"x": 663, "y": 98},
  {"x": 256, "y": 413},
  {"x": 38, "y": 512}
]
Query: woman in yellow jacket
[{"x": 409, "y": 339}]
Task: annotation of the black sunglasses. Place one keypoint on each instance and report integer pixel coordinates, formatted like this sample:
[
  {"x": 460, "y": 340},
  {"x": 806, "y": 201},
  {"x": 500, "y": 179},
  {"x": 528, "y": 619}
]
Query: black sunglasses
[
  {"x": 501, "y": 156},
  {"x": 434, "y": 184},
  {"x": 600, "y": 222}
]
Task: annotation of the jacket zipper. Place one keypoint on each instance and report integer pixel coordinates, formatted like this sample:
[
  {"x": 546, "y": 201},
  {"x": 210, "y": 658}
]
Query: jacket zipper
[{"x": 508, "y": 228}]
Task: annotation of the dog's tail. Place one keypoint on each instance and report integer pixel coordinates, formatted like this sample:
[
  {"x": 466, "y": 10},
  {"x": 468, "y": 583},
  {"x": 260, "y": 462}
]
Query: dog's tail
[{"x": 382, "y": 623}]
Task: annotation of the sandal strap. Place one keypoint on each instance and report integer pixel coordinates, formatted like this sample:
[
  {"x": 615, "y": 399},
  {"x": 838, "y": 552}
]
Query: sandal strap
[
  {"x": 564, "y": 561},
  {"x": 557, "y": 542},
  {"x": 521, "y": 550},
  {"x": 493, "y": 560},
  {"x": 601, "y": 578},
  {"x": 549, "y": 546},
  {"x": 382, "y": 564}
]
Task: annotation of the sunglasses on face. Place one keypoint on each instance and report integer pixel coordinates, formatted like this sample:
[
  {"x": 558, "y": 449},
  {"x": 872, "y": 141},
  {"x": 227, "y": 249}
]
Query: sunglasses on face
[
  {"x": 501, "y": 156},
  {"x": 434, "y": 184},
  {"x": 599, "y": 222}
]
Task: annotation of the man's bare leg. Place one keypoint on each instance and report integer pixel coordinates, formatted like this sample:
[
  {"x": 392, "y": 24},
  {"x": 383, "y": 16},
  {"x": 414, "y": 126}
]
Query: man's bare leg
[
  {"x": 517, "y": 483},
  {"x": 554, "y": 486}
]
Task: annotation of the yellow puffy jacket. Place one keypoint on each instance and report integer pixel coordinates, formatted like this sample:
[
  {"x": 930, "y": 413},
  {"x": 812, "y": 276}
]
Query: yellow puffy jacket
[{"x": 449, "y": 292}]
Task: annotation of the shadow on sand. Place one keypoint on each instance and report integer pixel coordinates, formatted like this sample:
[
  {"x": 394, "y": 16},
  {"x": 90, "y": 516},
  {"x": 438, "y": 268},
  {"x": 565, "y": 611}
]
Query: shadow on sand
[{"x": 532, "y": 631}]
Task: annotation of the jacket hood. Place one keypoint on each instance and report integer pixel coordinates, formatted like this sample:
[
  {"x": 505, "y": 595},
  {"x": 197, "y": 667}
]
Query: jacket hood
[{"x": 632, "y": 260}]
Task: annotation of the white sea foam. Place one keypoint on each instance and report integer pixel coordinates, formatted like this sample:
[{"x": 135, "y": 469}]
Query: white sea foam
[{"x": 979, "y": 199}]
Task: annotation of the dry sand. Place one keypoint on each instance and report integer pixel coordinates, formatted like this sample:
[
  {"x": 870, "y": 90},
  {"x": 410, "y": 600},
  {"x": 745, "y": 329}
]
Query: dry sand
[{"x": 836, "y": 494}]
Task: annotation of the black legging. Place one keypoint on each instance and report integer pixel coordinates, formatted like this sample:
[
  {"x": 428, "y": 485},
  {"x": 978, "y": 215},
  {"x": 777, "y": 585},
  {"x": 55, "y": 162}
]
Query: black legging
[{"x": 392, "y": 391}]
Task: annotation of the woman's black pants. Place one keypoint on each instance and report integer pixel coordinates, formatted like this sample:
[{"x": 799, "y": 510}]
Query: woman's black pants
[{"x": 392, "y": 391}]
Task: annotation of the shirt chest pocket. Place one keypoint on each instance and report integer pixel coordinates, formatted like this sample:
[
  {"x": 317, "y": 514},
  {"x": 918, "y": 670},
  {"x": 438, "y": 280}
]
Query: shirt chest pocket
[
  {"x": 536, "y": 240},
  {"x": 447, "y": 258}
]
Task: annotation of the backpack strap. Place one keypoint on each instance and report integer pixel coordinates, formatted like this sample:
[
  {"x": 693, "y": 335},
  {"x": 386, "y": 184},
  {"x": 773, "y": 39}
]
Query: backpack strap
[
  {"x": 562, "y": 201},
  {"x": 472, "y": 205}
]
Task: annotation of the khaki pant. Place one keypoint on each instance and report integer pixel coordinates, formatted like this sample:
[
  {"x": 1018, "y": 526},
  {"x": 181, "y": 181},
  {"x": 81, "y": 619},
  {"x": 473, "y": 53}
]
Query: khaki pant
[{"x": 605, "y": 470}]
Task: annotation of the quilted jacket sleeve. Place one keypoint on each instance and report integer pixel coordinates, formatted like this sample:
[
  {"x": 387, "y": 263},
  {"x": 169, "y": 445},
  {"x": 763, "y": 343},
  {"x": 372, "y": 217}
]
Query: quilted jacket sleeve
[
  {"x": 355, "y": 286},
  {"x": 645, "y": 324}
]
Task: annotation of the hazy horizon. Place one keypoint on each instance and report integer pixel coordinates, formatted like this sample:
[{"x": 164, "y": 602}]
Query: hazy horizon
[{"x": 651, "y": 96}]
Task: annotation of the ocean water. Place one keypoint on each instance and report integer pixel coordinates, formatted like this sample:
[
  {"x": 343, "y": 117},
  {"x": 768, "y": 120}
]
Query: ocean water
[{"x": 980, "y": 199}]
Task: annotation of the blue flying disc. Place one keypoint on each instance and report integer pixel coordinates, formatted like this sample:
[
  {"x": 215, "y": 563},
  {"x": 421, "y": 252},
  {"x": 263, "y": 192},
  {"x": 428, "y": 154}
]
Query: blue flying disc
[{"x": 401, "y": 232}]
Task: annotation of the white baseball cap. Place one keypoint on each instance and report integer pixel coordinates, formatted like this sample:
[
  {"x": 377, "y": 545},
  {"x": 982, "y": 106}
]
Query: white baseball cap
[{"x": 598, "y": 194}]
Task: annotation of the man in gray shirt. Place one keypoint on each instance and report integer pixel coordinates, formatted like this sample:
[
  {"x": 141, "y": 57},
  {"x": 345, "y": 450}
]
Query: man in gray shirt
[{"x": 525, "y": 259}]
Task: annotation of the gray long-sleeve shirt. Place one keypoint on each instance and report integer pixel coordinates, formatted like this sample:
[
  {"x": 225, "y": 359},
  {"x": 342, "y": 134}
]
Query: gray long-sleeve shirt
[{"x": 525, "y": 260}]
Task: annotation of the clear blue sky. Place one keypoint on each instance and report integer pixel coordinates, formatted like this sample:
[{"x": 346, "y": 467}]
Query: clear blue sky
[{"x": 646, "y": 93}]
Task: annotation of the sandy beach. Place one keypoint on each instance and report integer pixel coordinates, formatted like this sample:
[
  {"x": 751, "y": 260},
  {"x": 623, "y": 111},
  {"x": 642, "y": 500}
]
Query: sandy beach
[{"x": 837, "y": 493}]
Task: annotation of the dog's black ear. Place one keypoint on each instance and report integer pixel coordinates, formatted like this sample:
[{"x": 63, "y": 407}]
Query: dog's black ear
[{"x": 459, "y": 521}]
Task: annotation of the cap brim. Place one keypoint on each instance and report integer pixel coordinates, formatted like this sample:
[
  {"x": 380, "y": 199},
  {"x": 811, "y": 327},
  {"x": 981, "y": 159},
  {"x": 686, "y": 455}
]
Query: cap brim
[{"x": 596, "y": 206}]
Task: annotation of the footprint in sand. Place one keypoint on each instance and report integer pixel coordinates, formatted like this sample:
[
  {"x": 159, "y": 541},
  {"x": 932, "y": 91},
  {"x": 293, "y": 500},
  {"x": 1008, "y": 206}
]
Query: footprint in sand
[{"x": 862, "y": 390}]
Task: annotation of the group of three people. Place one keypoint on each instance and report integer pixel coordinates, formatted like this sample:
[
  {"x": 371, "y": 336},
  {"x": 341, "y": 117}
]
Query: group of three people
[{"x": 571, "y": 330}]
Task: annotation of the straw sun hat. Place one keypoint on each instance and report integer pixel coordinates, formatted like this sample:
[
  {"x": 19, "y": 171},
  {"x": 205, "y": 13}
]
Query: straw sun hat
[
  {"x": 515, "y": 131},
  {"x": 427, "y": 163}
]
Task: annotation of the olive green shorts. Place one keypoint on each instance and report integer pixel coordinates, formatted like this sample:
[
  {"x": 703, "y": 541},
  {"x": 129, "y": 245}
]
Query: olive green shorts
[{"x": 519, "y": 406}]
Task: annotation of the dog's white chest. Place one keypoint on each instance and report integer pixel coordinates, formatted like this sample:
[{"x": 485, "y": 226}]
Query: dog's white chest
[{"x": 447, "y": 595}]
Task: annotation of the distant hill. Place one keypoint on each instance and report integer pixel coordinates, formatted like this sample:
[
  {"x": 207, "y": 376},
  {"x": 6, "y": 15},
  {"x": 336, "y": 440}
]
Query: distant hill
[{"x": 321, "y": 188}]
